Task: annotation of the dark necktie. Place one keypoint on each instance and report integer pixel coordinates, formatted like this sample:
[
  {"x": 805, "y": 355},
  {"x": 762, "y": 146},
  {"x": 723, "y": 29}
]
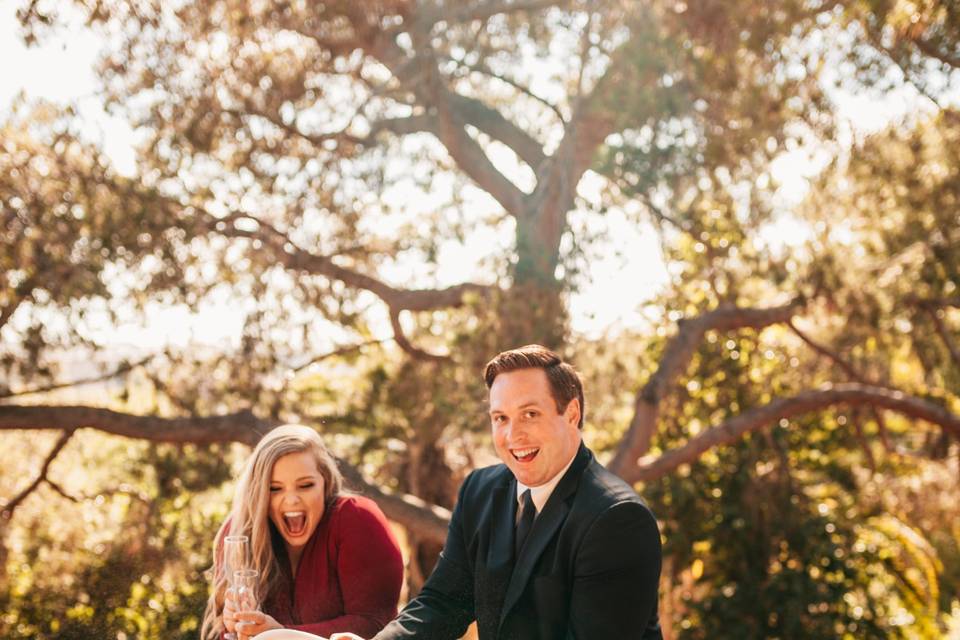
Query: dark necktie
[{"x": 528, "y": 511}]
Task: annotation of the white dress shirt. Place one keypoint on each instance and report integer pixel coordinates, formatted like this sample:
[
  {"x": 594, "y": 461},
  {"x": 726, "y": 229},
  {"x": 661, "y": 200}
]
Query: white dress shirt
[{"x": 541, "y": 494}]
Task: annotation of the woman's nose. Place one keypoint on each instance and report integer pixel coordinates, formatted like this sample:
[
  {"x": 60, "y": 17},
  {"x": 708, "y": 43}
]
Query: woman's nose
[{"x": 289, "y": 497}]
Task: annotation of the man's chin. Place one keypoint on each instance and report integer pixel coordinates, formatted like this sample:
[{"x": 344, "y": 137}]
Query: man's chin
[{"x": 527, "y": 477}]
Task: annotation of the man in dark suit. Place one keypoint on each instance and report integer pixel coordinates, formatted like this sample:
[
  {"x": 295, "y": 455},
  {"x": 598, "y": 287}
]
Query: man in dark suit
[{"x": 548, "y": 545}]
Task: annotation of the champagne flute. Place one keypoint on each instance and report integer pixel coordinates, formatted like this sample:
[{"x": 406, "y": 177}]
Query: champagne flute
[
  {"x": 236, "y": 557},
  {"x": 247, "y": 585}
]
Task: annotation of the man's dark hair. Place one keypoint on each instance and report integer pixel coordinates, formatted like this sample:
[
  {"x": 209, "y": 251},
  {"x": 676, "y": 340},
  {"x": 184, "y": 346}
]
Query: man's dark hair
[{"x": 565, "y": 384}]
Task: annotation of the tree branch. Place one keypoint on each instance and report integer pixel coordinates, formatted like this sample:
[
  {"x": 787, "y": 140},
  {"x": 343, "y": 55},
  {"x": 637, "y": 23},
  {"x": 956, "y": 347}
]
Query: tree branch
[
  {"x": 243, "y": 427},
  {"x": 862, "y": 439},
  {"x": 473, "y": 112},
  {"x": 404, "y": 343},
  {"x": 427, "y": 520},
  {"x": 421, "y": 123},
  {"x": 424, "y": 81},
  {"x": 315, "y": 139},
  {"x": 337, "y": 352},
  {"x": 497, "y": 126},
  {"x": 853, "y": 394},
  {"x": 595, "y": 116},
  {"x": 854, "y": 375},
  {"x": 559, "y": 175},
  {"x": 675, "y": 360},
  {"x": 123, "y": 489},
  {"x": 945, "y": 336},
  {"x": 938, "y": 303},
  {"x": 13, "y": 503},
  {"x": 291, "y": 256},
  {"x": 824, "y": 351},
  {"x": 124, "y": 368},
  {"x": 929, "y": 50},
  {"x": 487, "y": 71}
]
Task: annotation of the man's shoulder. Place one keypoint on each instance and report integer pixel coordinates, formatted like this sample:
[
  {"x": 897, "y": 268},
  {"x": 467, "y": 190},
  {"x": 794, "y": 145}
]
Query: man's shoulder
[
  {"x": 479, "y": 488},
  {"x": 604, "y": 502},
  {"x": 486, "y": 478},
  {"x": 603, "y": 489}
]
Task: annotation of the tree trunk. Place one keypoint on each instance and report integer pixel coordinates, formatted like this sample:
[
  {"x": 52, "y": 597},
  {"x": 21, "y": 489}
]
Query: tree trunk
[
  {"x": 430, "y": 477},
  {"x": 533, "y": 310}
]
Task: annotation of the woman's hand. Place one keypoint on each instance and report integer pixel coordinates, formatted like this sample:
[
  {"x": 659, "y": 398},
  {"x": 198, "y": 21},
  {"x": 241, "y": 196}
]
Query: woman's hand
[
  {"x": 230, "y": 610},
  {"x": 250, "y": 623}
]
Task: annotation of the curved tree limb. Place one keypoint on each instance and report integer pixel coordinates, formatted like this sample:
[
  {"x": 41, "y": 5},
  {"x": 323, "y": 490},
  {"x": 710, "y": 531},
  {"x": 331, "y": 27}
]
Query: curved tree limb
[
  {"x": 487, "y": 71},
  {"x": 350, "y": 348},
  {"x": 675, "y": 359},
  {"x": 15, "y": 501},
  {"x": 404, "y": 343},
  {"x": 827, "y": 353},
  {"x": 424, "y": 80},
  {"x": 123, "y": 368},
  {"x": 122, "y": 490},
  {"x": 419, "y": 123},
  {"x": 293, "y": 257},
  {"x": 243, "y": 427},
  {"x": 854, "y": 394},
  {"x": 854, "y": 375},
  {"x": 429, "y": 521},
  {"x": 945, "y": 336},
  {"x": 494, "y": 124}
]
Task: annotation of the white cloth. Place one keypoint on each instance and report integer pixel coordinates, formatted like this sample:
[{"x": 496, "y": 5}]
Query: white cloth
[{"x": 287, "y": 634}]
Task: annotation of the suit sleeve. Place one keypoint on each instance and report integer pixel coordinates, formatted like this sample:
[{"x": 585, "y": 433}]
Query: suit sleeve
[
  {"x": 444, "y": 608},
  {"x": 616, "y": 575},
  {"x": 370, "y": 572}
]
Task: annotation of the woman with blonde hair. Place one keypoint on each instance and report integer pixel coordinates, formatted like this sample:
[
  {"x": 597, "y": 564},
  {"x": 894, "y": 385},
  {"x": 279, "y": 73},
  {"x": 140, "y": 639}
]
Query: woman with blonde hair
[{"x": 327, "y": 560}]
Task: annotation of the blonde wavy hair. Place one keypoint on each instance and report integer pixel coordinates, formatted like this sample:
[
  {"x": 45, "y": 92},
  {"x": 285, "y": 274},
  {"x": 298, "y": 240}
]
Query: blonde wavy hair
[{"x": 249, "y": 514}]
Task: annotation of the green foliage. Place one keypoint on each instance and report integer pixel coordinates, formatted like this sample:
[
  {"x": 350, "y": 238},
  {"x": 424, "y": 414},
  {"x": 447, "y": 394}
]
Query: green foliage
[{"x": 130, "y": 562}]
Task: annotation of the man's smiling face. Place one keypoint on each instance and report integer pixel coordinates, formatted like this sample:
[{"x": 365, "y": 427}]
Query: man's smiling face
[{"x": 531, "y": 437}]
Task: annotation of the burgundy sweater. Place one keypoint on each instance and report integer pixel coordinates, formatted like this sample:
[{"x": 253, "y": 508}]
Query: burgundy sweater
[{"x": 349, "y": 575}]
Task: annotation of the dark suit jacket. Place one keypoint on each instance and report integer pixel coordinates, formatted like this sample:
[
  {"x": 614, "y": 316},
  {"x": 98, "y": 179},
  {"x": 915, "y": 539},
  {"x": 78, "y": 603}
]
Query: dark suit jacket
[{"x": 589, "y": 569}]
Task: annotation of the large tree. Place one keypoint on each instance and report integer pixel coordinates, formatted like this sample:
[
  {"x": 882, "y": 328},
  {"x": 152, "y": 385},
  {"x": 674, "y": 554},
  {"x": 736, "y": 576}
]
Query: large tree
[{"x": 317, "y": 164}]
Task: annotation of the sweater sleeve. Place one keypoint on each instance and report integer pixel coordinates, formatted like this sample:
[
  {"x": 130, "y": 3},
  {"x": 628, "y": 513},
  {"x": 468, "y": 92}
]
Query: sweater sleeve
[{"x": 369, "y": 571}]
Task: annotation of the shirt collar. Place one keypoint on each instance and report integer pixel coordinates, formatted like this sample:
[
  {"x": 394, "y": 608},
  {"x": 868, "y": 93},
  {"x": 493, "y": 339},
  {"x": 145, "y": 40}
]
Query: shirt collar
[{"x": 541, "y": 494}]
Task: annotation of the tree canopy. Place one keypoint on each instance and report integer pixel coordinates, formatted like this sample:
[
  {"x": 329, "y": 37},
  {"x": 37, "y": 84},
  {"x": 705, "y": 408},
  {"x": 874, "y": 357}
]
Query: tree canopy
[{"x": 388, "y": 193}]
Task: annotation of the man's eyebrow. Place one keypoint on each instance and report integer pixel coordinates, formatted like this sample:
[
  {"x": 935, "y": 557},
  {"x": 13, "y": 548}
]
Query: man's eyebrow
[{"x": 528, "y": 403}]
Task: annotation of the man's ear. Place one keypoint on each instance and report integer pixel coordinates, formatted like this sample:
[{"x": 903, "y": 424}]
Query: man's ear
[{"x": 572, "y": 413}]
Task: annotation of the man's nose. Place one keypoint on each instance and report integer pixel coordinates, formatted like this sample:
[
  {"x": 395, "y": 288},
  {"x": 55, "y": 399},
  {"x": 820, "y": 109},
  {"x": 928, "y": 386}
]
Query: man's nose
[{"x": 515, "y": 430}]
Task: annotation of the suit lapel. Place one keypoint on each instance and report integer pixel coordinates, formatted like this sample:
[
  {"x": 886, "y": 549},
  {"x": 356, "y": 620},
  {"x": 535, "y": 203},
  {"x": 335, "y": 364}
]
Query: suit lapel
[
  {"x": 544, "y": 527},
  {"x": 500, "y": 553}
]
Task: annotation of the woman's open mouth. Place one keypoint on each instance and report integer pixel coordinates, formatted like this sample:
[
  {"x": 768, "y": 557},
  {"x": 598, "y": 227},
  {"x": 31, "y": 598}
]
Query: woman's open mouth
[{"x": 295, "y": 522}]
